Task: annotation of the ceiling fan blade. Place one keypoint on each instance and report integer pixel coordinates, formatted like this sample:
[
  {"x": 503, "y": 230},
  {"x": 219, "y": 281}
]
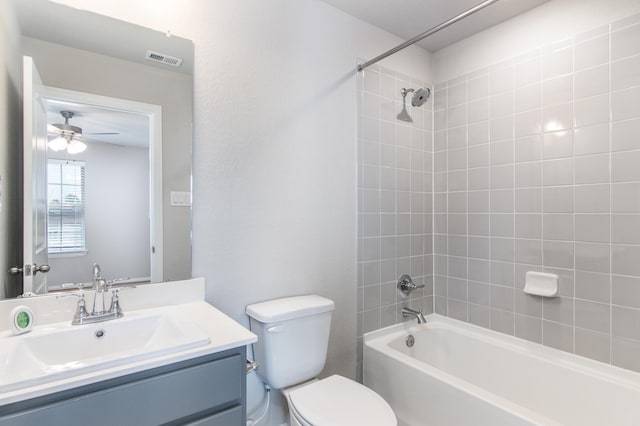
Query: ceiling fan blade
[
  {"x": 104, "y": 133},
  {"x": 95, "y": 141},
  {"x": 53, "y": 129}
]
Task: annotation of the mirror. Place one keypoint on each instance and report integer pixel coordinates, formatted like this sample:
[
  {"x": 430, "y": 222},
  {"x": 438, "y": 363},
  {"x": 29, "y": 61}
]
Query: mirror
[
  {"x": 97, "y": 57},
  {"x": 104, "y": 171}
]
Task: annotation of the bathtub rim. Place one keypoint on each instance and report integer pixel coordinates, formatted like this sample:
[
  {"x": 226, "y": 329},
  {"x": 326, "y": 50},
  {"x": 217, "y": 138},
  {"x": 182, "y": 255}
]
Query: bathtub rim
[
  {"x": 618, "y": 375},
  {"x": 379, "y": 340}
]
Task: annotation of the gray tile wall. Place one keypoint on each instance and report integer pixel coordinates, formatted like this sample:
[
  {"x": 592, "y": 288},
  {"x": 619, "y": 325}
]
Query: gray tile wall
[
  {"x": 537, "y": 168},
  {"x": 394, "y": 200}
]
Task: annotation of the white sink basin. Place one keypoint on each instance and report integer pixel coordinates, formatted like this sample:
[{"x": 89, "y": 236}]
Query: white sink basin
[{"x": 52, "y": 353}]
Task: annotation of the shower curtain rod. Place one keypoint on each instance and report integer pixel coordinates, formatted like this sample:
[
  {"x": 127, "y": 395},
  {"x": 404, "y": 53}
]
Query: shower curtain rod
[{"x": 427, "y": 33}]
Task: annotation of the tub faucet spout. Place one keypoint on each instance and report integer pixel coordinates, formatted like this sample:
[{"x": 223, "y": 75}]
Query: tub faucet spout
[{"x": 408, "y": 312}]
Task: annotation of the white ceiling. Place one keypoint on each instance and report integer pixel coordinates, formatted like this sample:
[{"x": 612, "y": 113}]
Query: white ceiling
[
  {"x": 132, "y": 129},
  {"x": 57, "y": 23},
  {"x": 408, "y": 18}
]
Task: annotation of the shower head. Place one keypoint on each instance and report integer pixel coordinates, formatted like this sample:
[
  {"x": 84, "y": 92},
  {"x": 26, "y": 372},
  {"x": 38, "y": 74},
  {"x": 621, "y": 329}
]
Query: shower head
[{"x": 420, "y": 97}]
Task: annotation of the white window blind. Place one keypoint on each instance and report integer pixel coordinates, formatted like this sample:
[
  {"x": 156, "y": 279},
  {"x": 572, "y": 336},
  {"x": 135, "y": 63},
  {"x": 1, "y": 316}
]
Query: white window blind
[{"x": 65, "y": 202}]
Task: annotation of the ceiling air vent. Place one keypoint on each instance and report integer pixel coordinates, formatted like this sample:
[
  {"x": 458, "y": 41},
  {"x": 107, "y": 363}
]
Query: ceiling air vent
[{"x": 162, "y": 58}]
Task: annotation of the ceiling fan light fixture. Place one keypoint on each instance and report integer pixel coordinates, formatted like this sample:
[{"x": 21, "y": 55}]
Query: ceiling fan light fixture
[
  {"x": 58, "y": 144},
  {"x": 76, "y": 147}
]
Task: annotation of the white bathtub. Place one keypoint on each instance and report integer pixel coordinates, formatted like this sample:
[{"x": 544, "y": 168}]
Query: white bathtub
[{"x": 460, "y": 374}]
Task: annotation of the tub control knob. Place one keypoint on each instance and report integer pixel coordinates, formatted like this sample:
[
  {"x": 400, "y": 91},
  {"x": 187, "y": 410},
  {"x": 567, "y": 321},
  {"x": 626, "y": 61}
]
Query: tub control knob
[{"x": 406, "y": 285}]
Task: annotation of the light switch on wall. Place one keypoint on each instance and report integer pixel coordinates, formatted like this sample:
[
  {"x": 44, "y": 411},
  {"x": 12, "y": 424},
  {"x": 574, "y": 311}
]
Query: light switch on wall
[{"x": 180, "y": 199}]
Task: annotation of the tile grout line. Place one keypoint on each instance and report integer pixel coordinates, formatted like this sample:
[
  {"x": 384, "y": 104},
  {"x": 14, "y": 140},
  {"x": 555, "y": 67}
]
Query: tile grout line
[
  {"x": 489, "y": 149},
  {"x": 542, "y": 189},
  {"x": 513, "y": 206},
  {"x": 610, "y": 275},
  {"x": 573, "y": 156},
  {"x": 433, "y": 201},
  {"x": 379, "y": 124},
  {"x": 466, "y": 135}
]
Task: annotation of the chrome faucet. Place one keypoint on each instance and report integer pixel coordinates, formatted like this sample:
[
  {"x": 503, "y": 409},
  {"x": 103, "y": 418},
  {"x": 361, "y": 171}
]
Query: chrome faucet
[
  {"x": 408, "y": 312},
  {"x": 98, "y": 314}
]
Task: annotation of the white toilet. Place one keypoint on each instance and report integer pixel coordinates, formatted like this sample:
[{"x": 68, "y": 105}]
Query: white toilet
[{"x": 293, "y": 334}]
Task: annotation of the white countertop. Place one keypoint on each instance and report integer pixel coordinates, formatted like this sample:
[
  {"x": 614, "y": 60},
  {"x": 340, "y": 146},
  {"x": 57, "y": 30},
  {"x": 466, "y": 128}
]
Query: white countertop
[{"x": 184, "y": 298}]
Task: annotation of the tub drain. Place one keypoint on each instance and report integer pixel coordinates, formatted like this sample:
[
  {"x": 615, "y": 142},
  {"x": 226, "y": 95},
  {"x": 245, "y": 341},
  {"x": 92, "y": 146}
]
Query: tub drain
[{"x": 410, "y": 340}]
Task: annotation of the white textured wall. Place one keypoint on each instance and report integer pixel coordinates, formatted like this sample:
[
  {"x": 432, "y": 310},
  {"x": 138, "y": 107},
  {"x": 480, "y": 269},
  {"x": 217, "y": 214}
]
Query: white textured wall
[
  {"x": 553, "y": 21},
  {"x": 274, "y": 157}
]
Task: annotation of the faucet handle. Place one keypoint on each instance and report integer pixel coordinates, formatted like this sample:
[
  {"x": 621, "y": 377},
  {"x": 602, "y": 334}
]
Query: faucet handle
[
  {"x": 81, "y": 310},
  {"x": 65, "y": 295},
  {"x": 115, "y": 302},
  {"x": 114, "y": 291},
  {"x": 406, "y": 285},
  {"x": 79, "y": 286},
  {"x": 117, "y": 280}
]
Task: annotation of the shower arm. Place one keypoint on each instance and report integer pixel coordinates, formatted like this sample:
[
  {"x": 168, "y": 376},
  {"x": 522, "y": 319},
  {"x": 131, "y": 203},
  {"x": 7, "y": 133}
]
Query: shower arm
[{"x": 426, "y": 34}]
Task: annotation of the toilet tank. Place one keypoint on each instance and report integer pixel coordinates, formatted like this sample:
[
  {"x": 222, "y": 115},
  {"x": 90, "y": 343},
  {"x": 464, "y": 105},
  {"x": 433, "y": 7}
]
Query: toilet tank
[{"x": 293, "y": 334}]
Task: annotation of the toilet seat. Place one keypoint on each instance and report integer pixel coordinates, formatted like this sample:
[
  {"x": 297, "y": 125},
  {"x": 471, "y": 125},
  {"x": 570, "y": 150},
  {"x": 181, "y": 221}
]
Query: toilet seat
[{"x": 336, "y": 401}]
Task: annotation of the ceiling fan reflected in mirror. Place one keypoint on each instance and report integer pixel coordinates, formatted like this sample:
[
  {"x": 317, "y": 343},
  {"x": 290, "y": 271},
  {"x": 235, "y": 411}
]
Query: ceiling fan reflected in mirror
[{"x": 67, "y": 136}]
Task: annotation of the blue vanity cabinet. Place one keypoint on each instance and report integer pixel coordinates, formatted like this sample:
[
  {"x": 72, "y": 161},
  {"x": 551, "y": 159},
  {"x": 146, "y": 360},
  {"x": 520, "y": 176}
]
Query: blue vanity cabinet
[{"x": 205, "y": 391}]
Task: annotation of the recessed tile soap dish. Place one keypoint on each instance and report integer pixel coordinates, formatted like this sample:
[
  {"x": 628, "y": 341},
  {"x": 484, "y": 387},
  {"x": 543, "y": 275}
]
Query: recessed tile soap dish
[{"x": 541, "y": 284}]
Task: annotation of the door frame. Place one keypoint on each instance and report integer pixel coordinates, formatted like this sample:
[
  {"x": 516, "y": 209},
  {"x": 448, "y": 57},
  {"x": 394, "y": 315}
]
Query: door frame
[{"x": 34, "y": 208}]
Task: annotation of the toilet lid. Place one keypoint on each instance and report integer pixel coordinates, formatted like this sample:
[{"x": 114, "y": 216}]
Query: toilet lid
[{"x": 339, "y": 401}]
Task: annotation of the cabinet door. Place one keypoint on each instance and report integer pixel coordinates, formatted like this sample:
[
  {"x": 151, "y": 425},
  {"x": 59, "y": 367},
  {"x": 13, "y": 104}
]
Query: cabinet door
[
  {"x": 230, "y": 417},
  {"x": 166, "y": 398}
]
